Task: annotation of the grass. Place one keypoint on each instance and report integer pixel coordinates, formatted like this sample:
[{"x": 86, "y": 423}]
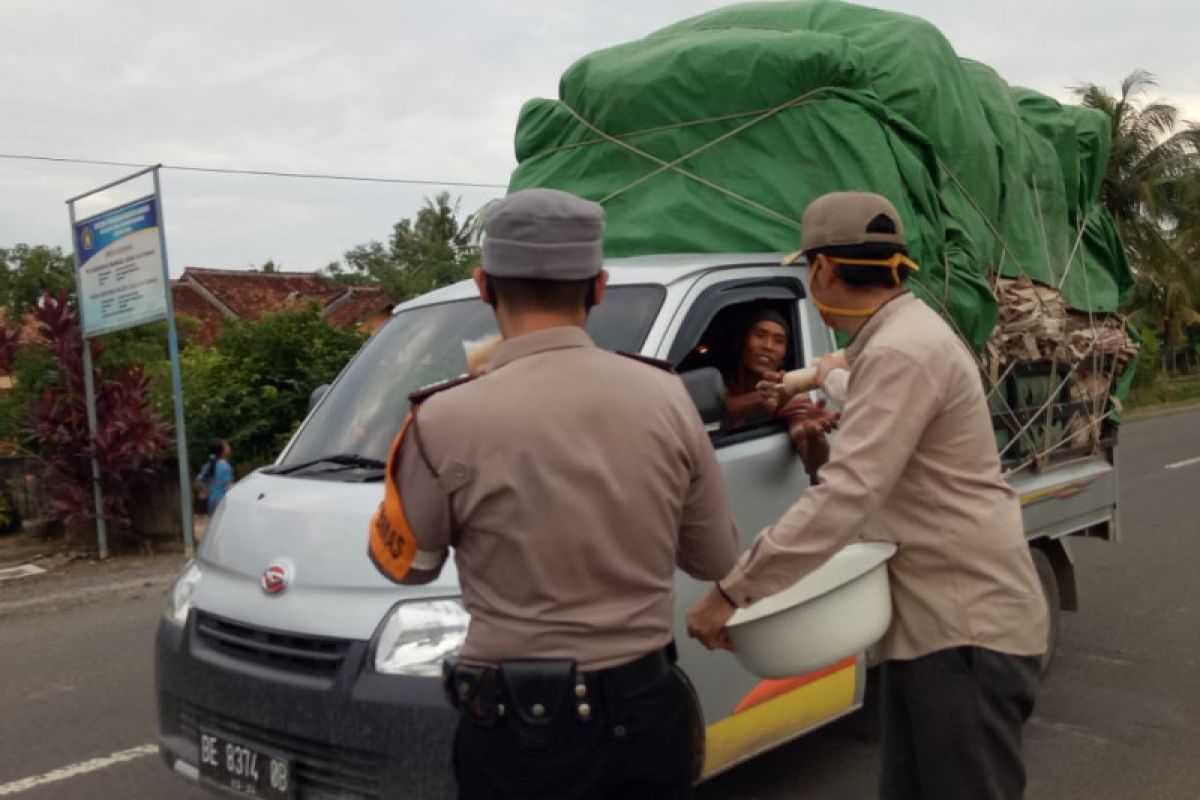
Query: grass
[{"x": 1165, "y": 395}]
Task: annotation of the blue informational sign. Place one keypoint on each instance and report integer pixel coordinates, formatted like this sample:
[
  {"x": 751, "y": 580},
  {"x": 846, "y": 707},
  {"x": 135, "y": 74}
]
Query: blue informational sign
[{"x": 121, "y": 276}]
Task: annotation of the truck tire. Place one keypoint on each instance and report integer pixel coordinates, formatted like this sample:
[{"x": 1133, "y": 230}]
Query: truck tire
[{"x": 1046, "y": 577}]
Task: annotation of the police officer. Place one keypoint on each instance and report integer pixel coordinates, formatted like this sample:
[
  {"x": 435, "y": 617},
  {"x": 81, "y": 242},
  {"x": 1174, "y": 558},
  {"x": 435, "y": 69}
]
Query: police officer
[
  {"x": 915, "y": 463},
  {"x": 571, "y": 483}
]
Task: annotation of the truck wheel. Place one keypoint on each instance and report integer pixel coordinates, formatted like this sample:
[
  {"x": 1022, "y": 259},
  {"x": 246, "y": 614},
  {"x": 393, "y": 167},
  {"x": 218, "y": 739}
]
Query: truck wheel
[{"x": 1049, "y": 582}]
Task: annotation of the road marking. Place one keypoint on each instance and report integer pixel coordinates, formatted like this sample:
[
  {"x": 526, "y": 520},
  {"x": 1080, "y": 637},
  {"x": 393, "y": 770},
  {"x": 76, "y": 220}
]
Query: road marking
[
  {"x": 52, "y": 689},
  {"x": 82, "y": 768},
  {"x": 1181, "y": 464}
]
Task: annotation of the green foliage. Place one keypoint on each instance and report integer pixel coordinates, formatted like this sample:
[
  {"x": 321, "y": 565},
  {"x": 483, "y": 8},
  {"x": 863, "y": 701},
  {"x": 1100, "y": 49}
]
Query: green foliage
[
  {"x": 1152, "y": 188},
  {"x": 146, "y": 345},
  {"x": 252, "y": 389},
  {"x": 34, "y": 369},
  {"x": 27, "y": 272},
  {"x": 1175, "y": 391},
  {"x": 12, "y": 415},
  {"x": 1148, "y": 363},
  {"x": 424, "y": 253}
]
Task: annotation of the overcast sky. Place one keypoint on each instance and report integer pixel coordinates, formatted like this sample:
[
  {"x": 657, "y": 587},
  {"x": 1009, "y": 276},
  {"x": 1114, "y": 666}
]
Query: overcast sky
[{"x": 400, "y": 89}]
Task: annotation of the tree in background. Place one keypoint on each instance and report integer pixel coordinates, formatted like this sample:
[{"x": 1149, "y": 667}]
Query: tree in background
[
  {"x": 252, "y": 389},
  {"x": 1152, "y": 189},
  {"x": 432, "y": 250},
  {"x": 28, "y": 272}
]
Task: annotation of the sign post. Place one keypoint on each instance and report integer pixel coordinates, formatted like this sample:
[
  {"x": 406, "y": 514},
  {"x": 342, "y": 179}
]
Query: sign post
[{"x": 122, "y": 281}]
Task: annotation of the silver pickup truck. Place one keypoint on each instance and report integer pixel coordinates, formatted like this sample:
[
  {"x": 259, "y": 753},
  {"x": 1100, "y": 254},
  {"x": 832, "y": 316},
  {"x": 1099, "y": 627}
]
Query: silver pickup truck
[{"x": 287, "y": 667}]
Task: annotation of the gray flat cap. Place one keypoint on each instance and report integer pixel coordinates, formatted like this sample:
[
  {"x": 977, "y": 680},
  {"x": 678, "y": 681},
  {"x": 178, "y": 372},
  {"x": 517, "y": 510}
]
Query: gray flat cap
[{"x": 546, "y": 234}]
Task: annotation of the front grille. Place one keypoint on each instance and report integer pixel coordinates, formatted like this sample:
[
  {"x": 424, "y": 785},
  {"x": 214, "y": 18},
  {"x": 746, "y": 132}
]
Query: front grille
[
  {"x": 321, "y": 770},
  {"x": 311, "y": 655}
]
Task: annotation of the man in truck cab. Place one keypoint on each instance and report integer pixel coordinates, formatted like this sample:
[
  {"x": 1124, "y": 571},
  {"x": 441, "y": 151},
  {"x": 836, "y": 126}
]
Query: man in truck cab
[
  {"x": 914, "y": 463},
  {"x": 762, "y": 352},
  {"x": 572, "y": 483}
]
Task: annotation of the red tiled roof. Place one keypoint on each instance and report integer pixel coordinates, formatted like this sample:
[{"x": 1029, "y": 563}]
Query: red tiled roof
[
  {"x": 30, "y": 328},
  {"x": 213, "y": 294},
  {"x": 248, "y": 294},
  {"x": 190, "y": 302},
  {"x": 358, "y": 304}
]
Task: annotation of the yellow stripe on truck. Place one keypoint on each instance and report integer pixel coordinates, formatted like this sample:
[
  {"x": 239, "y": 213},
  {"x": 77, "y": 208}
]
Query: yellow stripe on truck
[
  {"x": 1061, "y": 492},
  {"x": 749, "y": 732}
]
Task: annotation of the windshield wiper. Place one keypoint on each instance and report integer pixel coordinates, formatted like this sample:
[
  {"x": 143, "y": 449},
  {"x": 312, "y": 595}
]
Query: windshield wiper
[{"x": 342, "y": 460}]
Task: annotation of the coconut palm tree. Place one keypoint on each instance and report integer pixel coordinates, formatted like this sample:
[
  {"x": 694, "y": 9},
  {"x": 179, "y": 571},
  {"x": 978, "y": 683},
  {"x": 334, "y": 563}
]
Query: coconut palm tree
[{"x": 1152, "y": 188}]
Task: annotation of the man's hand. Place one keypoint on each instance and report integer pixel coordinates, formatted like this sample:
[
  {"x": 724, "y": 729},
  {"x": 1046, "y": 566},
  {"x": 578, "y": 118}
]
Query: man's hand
[
  {"x": 706, "y": 621},
  {"x": 772, "y": 394},
  {"x": 812, "y": 418},
  {"x": 828, "y": 363}
]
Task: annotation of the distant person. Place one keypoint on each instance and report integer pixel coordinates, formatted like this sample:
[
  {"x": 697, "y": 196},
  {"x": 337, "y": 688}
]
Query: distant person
[{"x": 216, "y": 476}]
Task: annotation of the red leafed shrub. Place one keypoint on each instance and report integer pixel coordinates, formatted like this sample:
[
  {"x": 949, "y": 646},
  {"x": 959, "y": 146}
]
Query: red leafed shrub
[{"x": 131, "y": 441}]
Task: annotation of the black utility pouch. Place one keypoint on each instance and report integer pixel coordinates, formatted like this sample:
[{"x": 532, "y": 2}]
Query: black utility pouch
[
  {"x": 473, "y": 692},
  {"x": 539, "y": 702}
]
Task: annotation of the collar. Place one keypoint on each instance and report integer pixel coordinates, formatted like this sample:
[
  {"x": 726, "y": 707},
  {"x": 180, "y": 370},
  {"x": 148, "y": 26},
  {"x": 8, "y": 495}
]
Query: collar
[
  {"x": 885, "y": 312},
  {"x": 566, "y": 336}
]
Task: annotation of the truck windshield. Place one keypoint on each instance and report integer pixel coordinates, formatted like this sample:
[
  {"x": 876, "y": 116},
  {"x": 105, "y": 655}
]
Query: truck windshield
[{"x": 365, "y": 408}]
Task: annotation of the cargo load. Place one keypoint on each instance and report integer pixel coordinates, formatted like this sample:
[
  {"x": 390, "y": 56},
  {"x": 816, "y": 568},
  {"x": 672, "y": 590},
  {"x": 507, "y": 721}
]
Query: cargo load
[{"x": 713, "y": 134}]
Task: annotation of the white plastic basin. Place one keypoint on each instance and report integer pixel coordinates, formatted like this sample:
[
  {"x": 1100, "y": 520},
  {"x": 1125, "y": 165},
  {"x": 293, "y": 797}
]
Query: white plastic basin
[{"x": 840, "y": 609}]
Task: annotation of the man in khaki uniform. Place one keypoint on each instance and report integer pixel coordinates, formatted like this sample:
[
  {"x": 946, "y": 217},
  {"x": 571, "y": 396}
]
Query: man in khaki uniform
[
  {"x": 571, "y": 483},
  {"x": 915, "y": 463}
]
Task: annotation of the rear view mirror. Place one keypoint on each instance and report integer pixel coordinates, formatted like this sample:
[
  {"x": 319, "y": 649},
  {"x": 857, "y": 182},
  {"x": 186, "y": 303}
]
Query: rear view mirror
[
  {"x": 707, "y": 390},
  {"x": 316, "y": 395}
]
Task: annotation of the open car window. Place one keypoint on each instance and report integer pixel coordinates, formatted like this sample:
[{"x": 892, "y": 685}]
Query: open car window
[{"x": 714, "y": 336}]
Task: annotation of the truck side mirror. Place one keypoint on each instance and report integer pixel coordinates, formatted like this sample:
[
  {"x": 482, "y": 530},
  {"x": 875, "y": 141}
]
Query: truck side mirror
[
  {"x": 316, "y": 395},
  {"x": 707, "y": 390}
]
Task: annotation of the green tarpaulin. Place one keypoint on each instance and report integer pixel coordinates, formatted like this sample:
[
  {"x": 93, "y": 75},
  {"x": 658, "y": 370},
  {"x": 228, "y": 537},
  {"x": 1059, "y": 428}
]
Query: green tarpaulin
[{"x": 713, "y": 134}]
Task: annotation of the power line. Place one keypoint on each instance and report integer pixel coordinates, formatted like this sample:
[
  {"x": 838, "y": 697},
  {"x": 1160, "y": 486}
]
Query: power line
[{"x": 260, "y": 172}]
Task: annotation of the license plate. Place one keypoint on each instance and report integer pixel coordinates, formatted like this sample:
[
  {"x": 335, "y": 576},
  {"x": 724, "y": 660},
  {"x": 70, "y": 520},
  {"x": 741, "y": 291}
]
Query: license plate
[{"x": 244, "y": 768}]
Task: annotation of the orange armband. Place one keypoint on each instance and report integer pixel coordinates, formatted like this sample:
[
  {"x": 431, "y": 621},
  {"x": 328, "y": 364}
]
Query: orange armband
[{"x": 392, "y": 545}]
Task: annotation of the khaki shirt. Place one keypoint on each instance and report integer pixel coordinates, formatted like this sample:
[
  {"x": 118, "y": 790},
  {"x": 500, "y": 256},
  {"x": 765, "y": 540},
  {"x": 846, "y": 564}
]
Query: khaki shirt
[
  {"x": 571, "y": 482},
  {"x": 914, "y": 463}
]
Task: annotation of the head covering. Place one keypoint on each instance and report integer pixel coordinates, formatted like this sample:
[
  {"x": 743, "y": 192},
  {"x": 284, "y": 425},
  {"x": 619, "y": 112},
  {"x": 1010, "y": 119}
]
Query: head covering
[
  {"x": 544, "y": 234},
  {"x": 767, "y": 315},
  {"x": 848, "y": 218}
]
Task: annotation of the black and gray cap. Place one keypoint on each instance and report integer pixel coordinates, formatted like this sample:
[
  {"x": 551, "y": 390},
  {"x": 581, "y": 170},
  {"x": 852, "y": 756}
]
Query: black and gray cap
[
  {"x": 848, "y": 218},
  {"x": 544, "y": 234}
]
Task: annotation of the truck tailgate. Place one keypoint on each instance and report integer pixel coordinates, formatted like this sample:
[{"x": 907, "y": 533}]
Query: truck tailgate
[{"x": 1068, "y": 498}]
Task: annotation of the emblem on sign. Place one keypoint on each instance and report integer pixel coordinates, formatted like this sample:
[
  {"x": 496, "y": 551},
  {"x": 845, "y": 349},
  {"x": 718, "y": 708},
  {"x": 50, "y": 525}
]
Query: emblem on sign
[{"x": 275, "y": 579}]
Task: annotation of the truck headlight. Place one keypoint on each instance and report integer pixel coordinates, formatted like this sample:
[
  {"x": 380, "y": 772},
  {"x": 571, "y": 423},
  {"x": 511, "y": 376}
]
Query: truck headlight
[
  {"x": 179, "y": 601},
  {"x": 419, "y": 635}
]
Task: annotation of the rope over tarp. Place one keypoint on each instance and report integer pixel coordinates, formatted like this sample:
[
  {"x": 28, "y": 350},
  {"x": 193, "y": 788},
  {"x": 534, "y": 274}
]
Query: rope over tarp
[{"x": 713, "y": 134}]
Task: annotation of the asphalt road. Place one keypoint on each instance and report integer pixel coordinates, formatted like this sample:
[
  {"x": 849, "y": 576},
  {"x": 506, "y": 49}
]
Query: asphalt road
[{"x": 1118, "y": 718}]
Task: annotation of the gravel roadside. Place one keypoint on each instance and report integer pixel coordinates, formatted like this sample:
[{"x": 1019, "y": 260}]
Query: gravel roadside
[{"x": 71, "y": 579}]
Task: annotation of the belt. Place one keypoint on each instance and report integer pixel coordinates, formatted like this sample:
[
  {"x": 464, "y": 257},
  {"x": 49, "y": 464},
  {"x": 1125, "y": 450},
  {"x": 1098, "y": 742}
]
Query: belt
[
  {"x": 488, "y": 693},
  {"x": 635, "y": 675}
]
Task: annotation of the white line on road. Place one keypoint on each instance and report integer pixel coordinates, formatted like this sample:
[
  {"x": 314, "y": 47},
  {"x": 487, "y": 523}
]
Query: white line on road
[
  {"x": 1180, "y": 464},
  {"x": 83, "y": 767}
]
